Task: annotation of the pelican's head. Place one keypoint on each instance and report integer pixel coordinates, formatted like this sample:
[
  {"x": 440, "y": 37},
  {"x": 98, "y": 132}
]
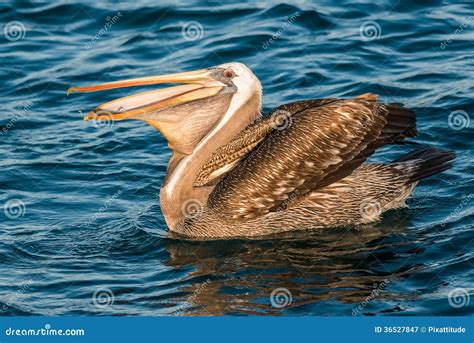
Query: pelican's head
[{"x": 208, "y": 99}]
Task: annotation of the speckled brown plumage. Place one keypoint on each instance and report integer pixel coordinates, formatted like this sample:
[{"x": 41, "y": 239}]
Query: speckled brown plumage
[
  {"x": 310, "y": 173},
  {"x": 319, "y": 142}
]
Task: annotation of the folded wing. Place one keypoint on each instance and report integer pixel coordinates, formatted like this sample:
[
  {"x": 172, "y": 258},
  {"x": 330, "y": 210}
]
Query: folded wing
[{"x": 297, "y": 148}]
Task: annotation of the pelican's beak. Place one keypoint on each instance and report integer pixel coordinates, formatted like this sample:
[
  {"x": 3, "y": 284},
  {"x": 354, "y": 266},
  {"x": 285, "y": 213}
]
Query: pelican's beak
[{"x": 198, "y": 84}]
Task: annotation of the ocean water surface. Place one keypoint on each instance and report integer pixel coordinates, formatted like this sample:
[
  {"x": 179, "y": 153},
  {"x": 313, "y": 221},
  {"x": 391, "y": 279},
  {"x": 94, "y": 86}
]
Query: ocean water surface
[{"x": 81, "y": 231}]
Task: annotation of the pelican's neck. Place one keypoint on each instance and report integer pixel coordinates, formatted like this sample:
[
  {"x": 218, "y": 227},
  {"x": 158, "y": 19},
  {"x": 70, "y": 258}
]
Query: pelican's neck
[{"x": 183, "y": 169}]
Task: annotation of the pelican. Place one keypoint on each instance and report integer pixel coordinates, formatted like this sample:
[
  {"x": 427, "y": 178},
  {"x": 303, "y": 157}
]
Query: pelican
[{"x": 234, "y": 172}]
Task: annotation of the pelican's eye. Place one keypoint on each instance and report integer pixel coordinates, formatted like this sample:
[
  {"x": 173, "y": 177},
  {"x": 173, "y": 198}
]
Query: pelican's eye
[{"x": 229, "y": 73}]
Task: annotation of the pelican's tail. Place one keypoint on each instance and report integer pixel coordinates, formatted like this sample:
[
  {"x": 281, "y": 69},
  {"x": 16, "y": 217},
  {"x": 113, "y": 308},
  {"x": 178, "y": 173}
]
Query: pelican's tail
[
  {"x": 425, "y": 162},
  {"x": 401, "y": 122}
]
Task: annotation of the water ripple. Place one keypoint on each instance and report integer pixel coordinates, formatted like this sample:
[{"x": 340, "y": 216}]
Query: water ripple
[{"x": 90, "y": 222}]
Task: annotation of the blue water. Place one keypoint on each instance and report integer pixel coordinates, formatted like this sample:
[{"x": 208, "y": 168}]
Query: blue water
[{"x": 81, "y": 230}]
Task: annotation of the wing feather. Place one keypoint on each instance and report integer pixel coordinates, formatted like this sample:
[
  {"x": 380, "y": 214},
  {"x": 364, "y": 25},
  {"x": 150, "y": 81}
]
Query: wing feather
[
  {"x": 323, "y": 141},
  {"x": 228, "y": 156}
]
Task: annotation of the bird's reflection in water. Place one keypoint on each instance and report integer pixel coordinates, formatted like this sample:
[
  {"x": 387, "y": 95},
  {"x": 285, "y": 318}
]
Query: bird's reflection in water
[{"x": 344, "y": 267}]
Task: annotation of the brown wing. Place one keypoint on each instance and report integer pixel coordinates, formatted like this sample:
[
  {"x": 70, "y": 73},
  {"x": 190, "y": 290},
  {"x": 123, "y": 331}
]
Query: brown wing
[
  {"x": 315, "y": 143},
  {"x": 228, "y": 156}
]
